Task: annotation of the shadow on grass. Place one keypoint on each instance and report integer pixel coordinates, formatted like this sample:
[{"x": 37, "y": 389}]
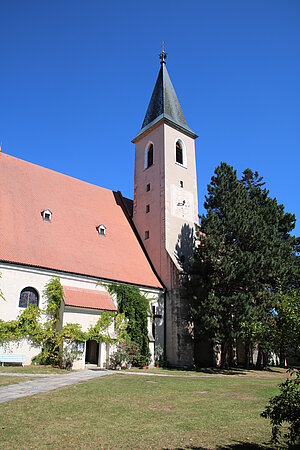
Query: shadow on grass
[
  {"x": 217, "y": 370},
  {"x": 240, "y": 446},
  {"x": 208, "y": 370},
  {"x": 237, "y": 446}
]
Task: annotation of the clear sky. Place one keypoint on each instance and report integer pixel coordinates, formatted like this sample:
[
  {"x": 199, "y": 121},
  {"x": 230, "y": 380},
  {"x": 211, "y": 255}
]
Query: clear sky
[{"x": 76, "y": 78}]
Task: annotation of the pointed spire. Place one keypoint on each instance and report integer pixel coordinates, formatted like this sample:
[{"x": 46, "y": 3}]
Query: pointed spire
[{"x": 164, "y": 102}]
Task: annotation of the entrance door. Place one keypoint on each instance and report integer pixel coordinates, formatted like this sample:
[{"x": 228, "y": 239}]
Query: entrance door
[{"x": 92, "y": 352}]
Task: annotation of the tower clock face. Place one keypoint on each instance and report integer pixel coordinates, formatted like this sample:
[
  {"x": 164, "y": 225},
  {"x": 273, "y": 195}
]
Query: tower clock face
[{"x": 182, "y": 203}]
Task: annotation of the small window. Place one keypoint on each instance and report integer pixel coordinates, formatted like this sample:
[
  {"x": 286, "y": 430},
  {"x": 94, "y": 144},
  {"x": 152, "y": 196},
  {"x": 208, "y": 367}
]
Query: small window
[
  {"x": 147, "y": 208},
  {"x": 28, "y": 296},
  {"x": 147, "y": 234},
  {"x": 46, "y": 215},
  {"x": 181, "y": 184},
  {"x": 148, "y": 187},
  {"x": 179, "y": 153},
  {"x": 101, "y": 229}
]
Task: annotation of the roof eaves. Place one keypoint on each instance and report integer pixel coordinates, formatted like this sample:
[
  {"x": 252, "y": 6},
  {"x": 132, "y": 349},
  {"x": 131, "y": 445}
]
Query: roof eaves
[
  {"x": 167, "y": 119},
  {"x": 81, "y": 274}
]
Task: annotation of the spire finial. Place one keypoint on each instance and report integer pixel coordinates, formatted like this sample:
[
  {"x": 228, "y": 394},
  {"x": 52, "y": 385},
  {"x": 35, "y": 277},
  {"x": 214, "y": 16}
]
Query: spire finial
[{"x": 163, "y": 55}]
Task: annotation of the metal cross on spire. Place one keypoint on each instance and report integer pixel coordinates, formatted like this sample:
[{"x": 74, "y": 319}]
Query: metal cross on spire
[{"x": 163, "y": 55}]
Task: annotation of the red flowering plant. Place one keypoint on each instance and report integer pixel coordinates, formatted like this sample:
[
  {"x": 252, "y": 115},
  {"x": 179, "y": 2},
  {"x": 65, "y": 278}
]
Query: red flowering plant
[
  {"x": 132, "y": 351},
  {"x": 127, "y": 352}
]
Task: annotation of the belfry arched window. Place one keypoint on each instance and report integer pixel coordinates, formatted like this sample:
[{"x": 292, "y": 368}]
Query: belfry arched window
[
  {"x": 179, "y": 153},
  {"x": 149, "y": 155},
  {"x": 28, "y": 296}
]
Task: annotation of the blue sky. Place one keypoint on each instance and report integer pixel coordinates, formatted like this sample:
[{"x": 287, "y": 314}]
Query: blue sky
[{"x": 76, "y": 78}]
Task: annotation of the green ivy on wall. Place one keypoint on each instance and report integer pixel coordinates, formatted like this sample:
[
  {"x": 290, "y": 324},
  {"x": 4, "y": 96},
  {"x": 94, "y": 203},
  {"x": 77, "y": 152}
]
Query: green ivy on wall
[
  {"x": 47, "y": 334},
  {"x": 130, "y": 322},
  {"x": 135, "y": 307}
]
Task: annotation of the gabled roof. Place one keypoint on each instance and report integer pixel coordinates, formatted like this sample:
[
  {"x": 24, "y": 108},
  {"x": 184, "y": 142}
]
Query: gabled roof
[
  {"x": 87, "y": 298},
  {"x": 70, "y": 242},
  {"x": 164, "y": 104}
]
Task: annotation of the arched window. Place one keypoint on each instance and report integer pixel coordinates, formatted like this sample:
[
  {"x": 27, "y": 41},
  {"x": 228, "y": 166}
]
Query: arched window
[
  {"x": 28, "y": 296},
  {"x": 179, "y": 153},
  {"x": 148, "y": 156}
]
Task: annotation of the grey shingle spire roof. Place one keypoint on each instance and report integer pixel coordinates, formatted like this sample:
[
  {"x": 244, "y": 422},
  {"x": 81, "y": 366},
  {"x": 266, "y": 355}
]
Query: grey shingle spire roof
[{"x": 164, "y": 104}]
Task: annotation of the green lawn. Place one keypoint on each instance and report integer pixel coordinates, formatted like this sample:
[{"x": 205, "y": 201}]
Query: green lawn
[
  {"x": 32, "y": 369},
  {"x": 5, "y": 380},
  {"x": 141, "y": 412}
]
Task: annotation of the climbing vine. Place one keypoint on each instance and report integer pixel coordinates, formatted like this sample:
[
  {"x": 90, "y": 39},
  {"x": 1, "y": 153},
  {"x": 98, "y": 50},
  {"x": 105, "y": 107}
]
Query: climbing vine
[
  {"x": 42, "y": 327},
  {"x": 135, "y": 307}
]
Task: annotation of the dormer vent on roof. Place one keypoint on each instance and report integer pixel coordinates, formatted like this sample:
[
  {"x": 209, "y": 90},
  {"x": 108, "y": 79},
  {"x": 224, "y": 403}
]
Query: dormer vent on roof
[
  {"x": 101, "y": 229},
  {"x": 46, "y": 215}
]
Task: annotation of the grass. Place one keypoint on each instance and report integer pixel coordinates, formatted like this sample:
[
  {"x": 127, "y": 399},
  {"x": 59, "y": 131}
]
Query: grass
[
  {"x": 134, "y": 412},
  {"x": 5, "y": 380},
  {"x": 209, "y": 372},
  {"x": 33, "y": 369}
]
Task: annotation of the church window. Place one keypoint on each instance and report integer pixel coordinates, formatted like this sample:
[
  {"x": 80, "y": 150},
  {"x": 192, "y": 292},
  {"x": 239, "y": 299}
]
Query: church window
[
  {"x": 148, "y": 187},
  {"x": 148, "y": 156},
  {"x": 101, "y": 229},
  {"x": 147, "y": 235},
  {"x": 46, "y": 215},
  {"x": 28, "y": 296},
  {"x": 179, "y": 153},
  {"x": 147, "y": 208}
]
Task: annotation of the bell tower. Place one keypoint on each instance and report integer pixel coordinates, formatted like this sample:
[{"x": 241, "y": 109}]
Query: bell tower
[{"x": 165, "y": 204}]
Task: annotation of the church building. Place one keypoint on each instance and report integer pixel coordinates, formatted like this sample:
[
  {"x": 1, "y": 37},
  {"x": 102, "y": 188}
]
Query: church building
[{"x": 54, "y": 225}]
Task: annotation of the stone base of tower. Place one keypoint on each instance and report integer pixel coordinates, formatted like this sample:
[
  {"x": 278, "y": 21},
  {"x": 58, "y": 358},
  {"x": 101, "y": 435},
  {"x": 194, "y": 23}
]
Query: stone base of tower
[{"x": 179, "y": 331}]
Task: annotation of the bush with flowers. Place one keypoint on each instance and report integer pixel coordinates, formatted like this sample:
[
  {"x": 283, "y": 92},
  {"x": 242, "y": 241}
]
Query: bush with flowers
[{"x": 127, "y": 352}]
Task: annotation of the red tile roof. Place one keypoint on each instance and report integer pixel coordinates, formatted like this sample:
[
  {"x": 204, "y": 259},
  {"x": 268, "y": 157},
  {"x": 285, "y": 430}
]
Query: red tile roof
[
  {"x": 70, "y": 242},
  {"x": 86, "y": 298}
]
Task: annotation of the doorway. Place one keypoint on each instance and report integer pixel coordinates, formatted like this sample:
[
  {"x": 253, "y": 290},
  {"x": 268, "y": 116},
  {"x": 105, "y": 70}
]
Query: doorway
[{"x": 92, "y": 352}]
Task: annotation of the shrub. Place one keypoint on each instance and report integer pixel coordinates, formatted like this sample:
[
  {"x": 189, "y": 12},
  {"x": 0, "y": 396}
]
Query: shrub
[
  {"x": 158, "y": 352},
  {"x": 127, "y": 352},
  {"x": 117, "y": 358},
  {"x": 285, "y": 409}
]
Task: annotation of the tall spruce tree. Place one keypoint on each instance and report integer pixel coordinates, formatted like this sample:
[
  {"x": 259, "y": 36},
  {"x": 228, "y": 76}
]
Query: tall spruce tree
[{"x": 244, "y": 248}]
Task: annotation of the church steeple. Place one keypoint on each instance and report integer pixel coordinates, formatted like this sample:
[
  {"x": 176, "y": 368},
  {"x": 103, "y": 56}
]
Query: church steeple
[
  {"x": 165, "y": 207},
  {"x": 164, "y": 103}
]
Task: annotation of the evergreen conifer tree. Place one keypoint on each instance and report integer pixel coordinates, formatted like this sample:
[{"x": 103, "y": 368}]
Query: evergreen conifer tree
[{"x": 243, "y": 250}]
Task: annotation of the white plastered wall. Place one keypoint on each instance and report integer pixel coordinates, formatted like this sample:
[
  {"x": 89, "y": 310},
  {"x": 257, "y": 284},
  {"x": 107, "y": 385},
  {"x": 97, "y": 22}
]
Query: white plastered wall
[{"x": 16, "y": 277}]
